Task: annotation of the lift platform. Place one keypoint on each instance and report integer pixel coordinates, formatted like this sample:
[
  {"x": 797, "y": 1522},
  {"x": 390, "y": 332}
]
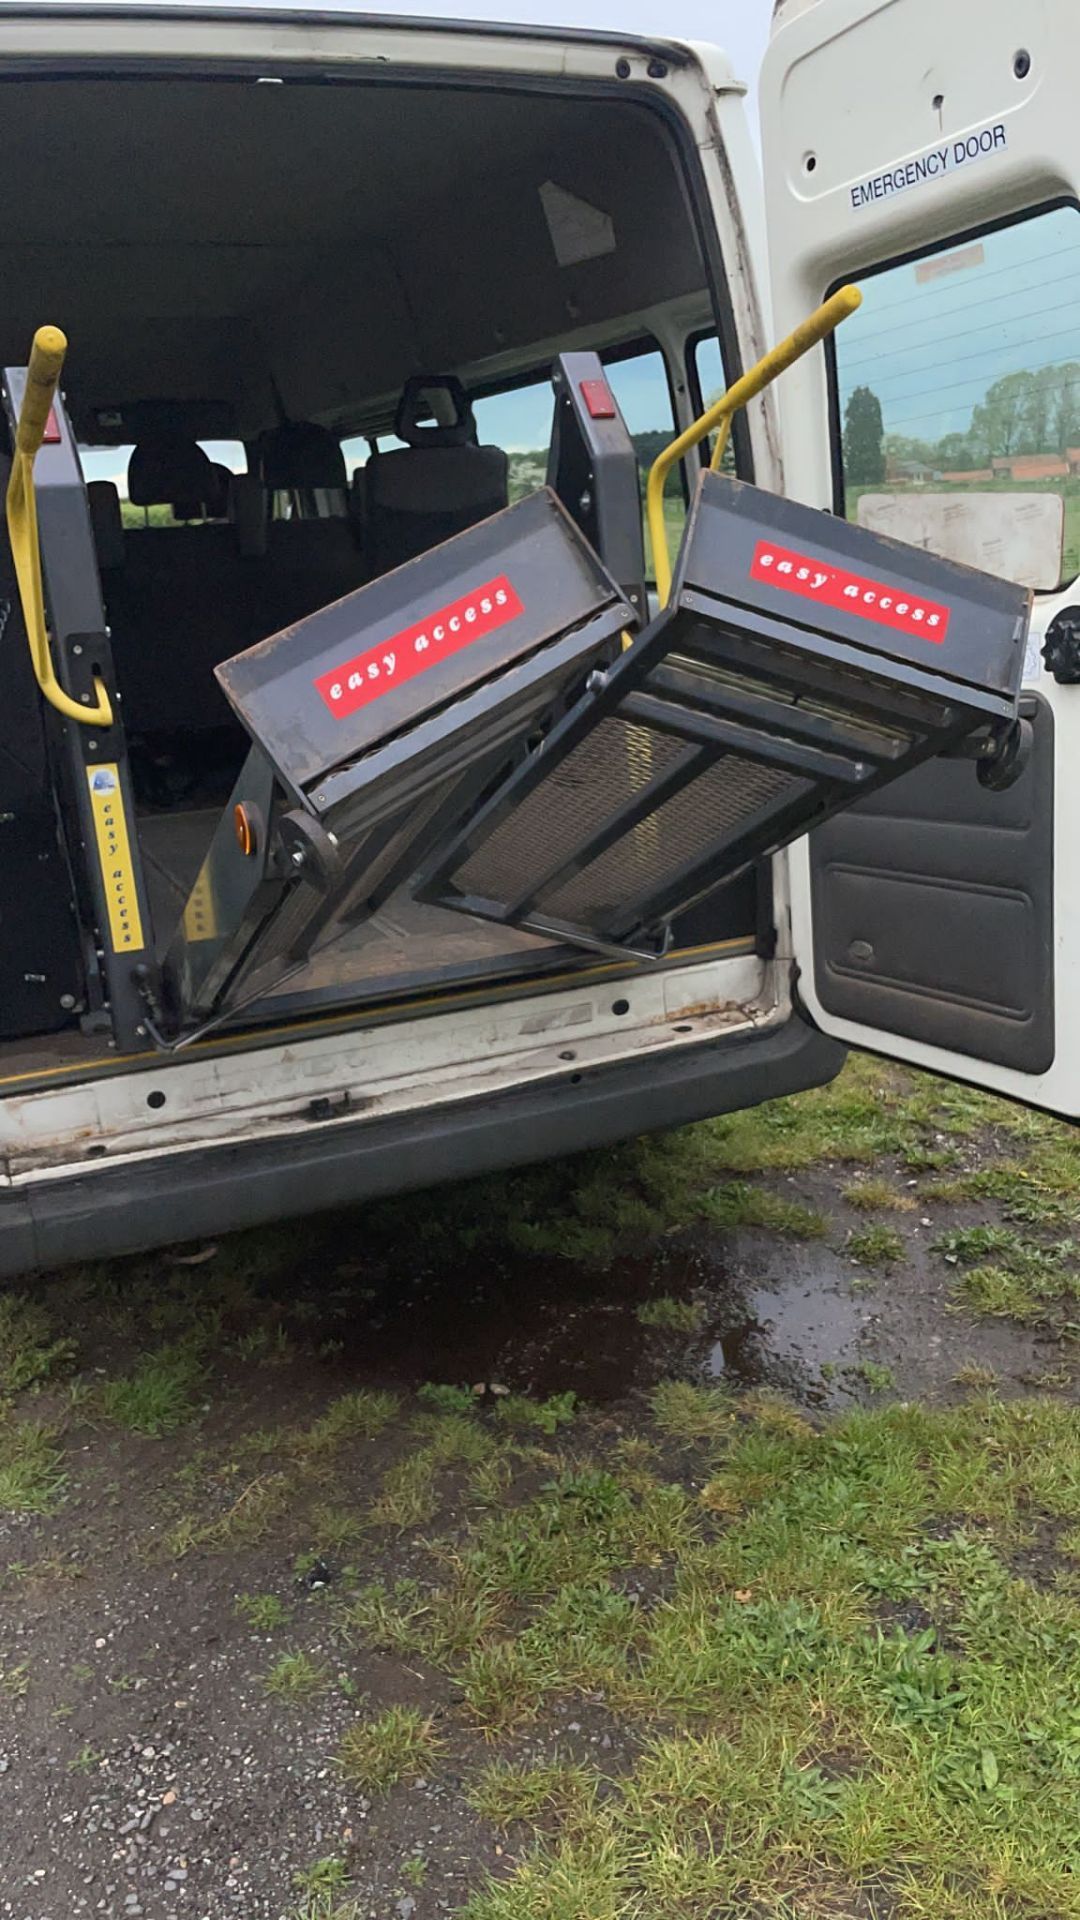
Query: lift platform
[
  {"x": 487, "y": 728},
  {"x": 800, "y": 664}
]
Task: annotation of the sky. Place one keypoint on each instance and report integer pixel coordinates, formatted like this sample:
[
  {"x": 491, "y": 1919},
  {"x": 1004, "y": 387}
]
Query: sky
[
  {"x": 740, "y": 27},
  {"x": 931, "y": 336}
]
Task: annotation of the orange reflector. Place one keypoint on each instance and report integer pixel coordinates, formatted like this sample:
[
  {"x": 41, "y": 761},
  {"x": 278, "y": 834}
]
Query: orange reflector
[
  {"x": 245, "y": 828},
  {"x": 51, "y": 435}
]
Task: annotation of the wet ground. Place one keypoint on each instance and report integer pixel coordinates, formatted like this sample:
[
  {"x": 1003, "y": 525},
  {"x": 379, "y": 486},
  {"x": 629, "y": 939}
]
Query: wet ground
[{"x": 185, "y": 1443}]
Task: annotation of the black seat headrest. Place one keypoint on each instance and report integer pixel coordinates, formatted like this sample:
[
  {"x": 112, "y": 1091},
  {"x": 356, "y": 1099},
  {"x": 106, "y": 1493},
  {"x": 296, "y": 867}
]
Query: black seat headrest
[
  {"x": 167, "y": 467},
  {"x": 300, "y": 453},
  {"x": 441, "y": 394}
]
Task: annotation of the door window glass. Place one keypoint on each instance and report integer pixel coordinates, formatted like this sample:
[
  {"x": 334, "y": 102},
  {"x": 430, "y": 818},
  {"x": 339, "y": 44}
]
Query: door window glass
[
  {"x": 708, "y": 384},
  {"x": 960, "y": 375},
  {"x": 642, "y": 389}
]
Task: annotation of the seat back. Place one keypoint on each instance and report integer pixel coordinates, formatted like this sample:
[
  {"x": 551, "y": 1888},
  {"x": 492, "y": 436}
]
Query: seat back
[
  {"x": 438, "y": 484},
  {"x": 313, "y": 556},
  {"x": 175, "y": 595}
]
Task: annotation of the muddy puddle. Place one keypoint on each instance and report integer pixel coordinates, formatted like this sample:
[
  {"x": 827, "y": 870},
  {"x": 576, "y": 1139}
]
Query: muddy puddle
[{"x": 549, "y": 1326}]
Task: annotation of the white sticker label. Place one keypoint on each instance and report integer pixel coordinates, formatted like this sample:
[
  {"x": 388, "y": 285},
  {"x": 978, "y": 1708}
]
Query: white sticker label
[{"x": 948, "y": 157}]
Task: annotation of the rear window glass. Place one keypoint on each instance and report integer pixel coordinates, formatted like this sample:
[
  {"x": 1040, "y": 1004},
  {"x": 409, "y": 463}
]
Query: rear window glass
[
  {"x": 960, "y": 376},
  {"x": 111, "y": 463}
]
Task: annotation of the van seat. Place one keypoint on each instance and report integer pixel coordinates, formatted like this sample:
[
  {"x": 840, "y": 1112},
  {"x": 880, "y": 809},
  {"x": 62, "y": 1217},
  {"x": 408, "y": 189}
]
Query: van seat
[
  {"x": 312, "y": 557},
  {"x": 177, "y": 603},
  {"x": 438, "y": 484}
]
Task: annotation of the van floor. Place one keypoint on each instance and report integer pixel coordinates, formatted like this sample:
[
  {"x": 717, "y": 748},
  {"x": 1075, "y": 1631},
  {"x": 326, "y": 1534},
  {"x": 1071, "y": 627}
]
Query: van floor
[{"x": 404, "y": 946}]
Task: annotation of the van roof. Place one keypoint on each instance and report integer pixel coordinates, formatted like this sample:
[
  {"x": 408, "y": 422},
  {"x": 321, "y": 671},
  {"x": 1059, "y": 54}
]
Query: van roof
[{"x": 677, "y": 53}]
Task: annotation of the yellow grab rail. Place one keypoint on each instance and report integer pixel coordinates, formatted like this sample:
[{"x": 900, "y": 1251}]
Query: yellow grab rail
[
  {"x": 42, "y": 376},
  {"x": 816, "y": 327}
]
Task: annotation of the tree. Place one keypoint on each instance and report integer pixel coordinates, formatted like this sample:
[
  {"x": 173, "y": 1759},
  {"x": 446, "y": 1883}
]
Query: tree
[
  {"x": 998, "y": 420},
  {"x": 864, "y": 456}
]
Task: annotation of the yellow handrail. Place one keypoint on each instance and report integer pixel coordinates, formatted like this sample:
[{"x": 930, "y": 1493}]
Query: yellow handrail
[
  {"x": 42, "y": 376},
  {"x": 777, "y": 360}
]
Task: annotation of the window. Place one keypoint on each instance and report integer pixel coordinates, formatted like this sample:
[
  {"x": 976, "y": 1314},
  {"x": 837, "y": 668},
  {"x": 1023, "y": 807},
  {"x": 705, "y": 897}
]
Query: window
[
  {"x": 641, "y": 387},
  {"x": 111, "y": 463},
  {"x": 519, "y": 421},
  {"x": 960, "y": 375},
  {"x": 707, "y": 383}
]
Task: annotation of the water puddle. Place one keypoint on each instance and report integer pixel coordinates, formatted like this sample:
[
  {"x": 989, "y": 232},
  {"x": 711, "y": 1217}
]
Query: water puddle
[{"x": 788, "y": 1320}]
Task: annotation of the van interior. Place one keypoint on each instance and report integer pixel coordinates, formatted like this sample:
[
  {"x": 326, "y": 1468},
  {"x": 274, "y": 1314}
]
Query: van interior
[{"x": 311, "y": 325}]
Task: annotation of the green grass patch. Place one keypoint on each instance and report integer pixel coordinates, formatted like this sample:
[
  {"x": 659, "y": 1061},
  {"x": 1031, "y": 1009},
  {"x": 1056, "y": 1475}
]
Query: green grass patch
[
  {"x": 1004, "y": 1272},
  {"x": 801, "y": 1749},
  {"x": 505, "y": 1792},
  {"x": 738, "y": 1204},
  {"x": 376, "y": 1754},
  {"x": 670, "y": 1316},
  {"x": 876, "y": 1245},
  {"x": 355, "y": 1416},
  {"x": 159, "y": 1394},
  {"x": 295, "y": 1677},
  {"x": 438, "y": 1397},
  {"x": 408, "y": 1497},
  {"x": 517, "y": 1410},
  {"x": 262, "y": 1611},
  {"x": 31, "y": 1351},
  {"x": 688, "y": 1413},
  {"x": 31, "y": 1470},
  {"x": 872, "y": 1194}
]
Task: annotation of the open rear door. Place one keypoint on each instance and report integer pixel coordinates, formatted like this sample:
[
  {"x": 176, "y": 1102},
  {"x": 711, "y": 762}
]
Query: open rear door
[{"x": 932, "y": 154}]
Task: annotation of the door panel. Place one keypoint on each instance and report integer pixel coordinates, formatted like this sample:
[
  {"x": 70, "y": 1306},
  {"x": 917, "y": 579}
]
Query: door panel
[
  {"x": 934, "y": 923},
  {"x": 933, "y": 909}
]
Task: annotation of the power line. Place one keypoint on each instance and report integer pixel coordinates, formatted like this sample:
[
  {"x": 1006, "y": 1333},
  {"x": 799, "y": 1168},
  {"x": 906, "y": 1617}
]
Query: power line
[{"x": 1059, "y": 307}]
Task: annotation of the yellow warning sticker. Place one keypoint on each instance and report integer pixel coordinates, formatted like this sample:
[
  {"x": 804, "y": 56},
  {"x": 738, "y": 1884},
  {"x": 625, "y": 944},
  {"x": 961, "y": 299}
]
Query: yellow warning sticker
[
  {"x": 114, "y": 853},
  {"x": 200, "y": 914}
]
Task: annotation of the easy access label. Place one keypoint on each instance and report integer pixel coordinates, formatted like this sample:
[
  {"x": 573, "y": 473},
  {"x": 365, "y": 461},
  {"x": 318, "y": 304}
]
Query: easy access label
[
  {"x": 114, "y": 856},
  {"x": 949, "y": 156},
  {"x": 833, "y": 586},
  {"x": 378, "y": 670}
]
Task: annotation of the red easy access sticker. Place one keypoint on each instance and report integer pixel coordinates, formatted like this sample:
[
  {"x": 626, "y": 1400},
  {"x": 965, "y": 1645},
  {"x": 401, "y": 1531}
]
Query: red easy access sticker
[
  {"x": 851, "y": 592},
  {"x": 378, "y": 670}
]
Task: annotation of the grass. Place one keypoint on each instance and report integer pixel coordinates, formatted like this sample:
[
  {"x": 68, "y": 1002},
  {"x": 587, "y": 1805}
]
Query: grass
[
  {"x": 31, "y": 1351},
  {"x": 738, "y": 1204},
  {"x": 355, "y": 1416},
  {"x": 688, "y": 1413},
  {"x": 876, "y": 1245},
  {"x": 508, "y": 1791},
  {"x": 872, "y": 1194},
  {"x": 326, "y": 1876},
  {"x": 376, "y": 1754},
  {"x": 159, "y": 1395},
  {"x": 795, "y": 1749},
  {"x": 262, "y": 1611},
  {"x": 517, "y": 1410},
  {"x": 873, "y": 1375},
  {"x": 295, "y": 1677},
  {"x": 31, "y": 1469},
  {"x": 1006, "y": 1273},
  {"x": 670, "y": 1316}
]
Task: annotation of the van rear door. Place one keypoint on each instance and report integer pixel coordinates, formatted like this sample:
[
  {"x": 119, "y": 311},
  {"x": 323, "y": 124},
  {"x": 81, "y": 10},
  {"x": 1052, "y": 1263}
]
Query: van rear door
[{"x": 932, "y": 155}]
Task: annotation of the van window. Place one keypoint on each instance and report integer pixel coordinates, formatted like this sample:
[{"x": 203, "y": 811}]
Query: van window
[
  {"x": 641, "y": 386},
  {"x": 707, "y": 383},
  {"x": 519, "y": 421},
  {"x": 111, "y": 463},
  {"x": 960, "y": 373}
]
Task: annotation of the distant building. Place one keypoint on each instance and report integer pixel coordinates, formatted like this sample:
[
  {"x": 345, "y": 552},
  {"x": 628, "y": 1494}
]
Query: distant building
[{"x": 1030, "y": 466}]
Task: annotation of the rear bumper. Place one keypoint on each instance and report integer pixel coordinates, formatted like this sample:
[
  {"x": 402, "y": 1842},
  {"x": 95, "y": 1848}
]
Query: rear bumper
[{"x": 122, "y": 1209}]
